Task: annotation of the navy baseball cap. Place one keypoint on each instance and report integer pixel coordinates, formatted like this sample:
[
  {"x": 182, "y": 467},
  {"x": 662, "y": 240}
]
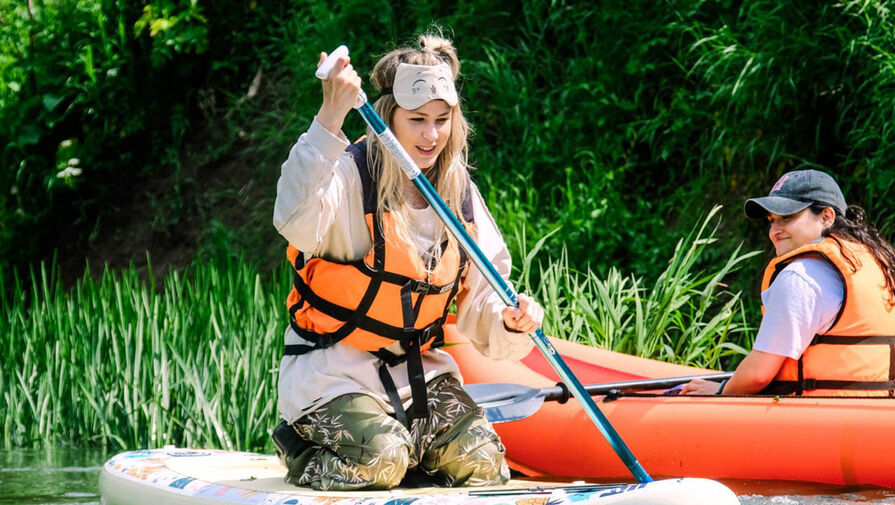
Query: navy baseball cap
[{"x": 795, "y": 191}]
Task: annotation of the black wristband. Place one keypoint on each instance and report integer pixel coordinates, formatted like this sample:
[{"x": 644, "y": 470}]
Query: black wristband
[{"x": 721, "y": 387}]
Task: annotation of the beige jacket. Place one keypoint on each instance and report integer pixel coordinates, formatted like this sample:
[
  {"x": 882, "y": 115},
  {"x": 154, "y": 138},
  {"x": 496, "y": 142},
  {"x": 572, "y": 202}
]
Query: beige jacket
[{"x": 319, "y": 210}]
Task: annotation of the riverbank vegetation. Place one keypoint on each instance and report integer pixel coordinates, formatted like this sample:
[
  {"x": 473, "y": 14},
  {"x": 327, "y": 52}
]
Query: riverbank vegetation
[
  {"x": 603, "y": 136},
  {"x": 117, "y": 361}
]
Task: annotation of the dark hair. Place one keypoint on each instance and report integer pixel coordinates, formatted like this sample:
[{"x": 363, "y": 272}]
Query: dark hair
[{"x": 853, "y": 228}]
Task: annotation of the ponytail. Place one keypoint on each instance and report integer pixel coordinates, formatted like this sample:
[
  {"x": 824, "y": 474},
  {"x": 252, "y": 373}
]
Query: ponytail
[{"x": 853, "y": 227}]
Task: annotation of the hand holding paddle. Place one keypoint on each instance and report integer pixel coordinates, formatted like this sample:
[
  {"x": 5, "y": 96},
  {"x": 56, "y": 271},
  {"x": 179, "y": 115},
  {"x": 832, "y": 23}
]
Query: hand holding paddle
[
  {"x": 341, "y": 89},
  {"x": 526, "y": 318}
]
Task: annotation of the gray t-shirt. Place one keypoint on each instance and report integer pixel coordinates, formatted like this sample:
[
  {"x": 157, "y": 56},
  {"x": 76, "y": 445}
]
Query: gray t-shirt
[{"x": 801, "y": 302}]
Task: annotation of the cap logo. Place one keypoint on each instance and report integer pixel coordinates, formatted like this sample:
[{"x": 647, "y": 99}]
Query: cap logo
[{"x": 779, "y": 184}]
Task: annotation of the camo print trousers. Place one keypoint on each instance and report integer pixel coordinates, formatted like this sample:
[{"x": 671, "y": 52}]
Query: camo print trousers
[{"x": 354, "y": 444}]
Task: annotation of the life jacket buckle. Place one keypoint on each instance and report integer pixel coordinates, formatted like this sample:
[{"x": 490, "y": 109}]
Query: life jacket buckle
[
  {"x": 325, "y": 340},
  {"x": 809, "y": 384},
  {"x": 425, "y": 288},
  {"x": 423, "y": 335},
  {"x": 421, "y": 287}
]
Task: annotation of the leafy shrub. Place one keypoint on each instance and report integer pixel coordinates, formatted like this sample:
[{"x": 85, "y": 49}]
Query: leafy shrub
[
  {"x": 687, "y": 316},
  {"x": 97, "y": 95}
]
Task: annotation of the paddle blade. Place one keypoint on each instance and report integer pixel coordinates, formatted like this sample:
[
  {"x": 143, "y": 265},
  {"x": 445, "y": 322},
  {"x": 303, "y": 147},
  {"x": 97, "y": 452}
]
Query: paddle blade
[{"x": 505, "y": 402}]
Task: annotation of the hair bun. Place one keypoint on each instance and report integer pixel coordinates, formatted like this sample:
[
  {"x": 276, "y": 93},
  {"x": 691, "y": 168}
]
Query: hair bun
[{"x": 442, "y": 48}]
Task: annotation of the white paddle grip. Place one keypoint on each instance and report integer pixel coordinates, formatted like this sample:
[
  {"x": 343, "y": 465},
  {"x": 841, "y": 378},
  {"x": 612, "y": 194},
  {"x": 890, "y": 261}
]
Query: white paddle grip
[{"x": 327, "y": 66}]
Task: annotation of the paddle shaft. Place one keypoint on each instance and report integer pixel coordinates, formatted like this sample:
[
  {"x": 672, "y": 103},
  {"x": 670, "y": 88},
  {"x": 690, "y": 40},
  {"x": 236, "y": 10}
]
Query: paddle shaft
[
  {"x": 557, "y": 392},
  {"x": 516, "y": 393},
  {"x": 501, "y": 287}
]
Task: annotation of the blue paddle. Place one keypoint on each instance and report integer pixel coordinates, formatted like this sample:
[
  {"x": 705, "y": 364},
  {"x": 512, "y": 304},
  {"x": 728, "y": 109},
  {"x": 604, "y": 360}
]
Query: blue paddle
[{"x": 505, "y": 292}]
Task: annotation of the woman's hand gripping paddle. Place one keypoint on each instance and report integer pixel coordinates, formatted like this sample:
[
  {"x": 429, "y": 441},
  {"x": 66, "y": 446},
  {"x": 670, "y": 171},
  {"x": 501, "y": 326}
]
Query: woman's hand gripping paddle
[{"x": 391, "y": 144}]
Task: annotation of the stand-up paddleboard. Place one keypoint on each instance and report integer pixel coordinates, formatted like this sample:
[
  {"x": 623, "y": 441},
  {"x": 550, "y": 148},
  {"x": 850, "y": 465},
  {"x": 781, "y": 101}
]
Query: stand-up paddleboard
[{"x": 186, "y": 477}]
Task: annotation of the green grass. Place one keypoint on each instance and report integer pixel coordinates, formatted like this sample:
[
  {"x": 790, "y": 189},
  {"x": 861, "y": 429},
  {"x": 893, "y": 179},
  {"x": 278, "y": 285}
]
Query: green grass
[
  {"x": 686, "y": 316},
  {"x": 118, "y": 362}
]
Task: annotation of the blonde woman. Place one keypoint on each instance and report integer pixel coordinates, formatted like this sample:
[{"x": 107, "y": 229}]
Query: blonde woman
[{"x": 364, "y": 392}]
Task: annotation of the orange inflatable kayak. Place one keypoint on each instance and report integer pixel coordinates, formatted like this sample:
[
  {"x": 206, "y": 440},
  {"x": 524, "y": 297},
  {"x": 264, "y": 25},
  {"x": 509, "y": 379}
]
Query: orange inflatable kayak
[{"x": 847, "y": 441}]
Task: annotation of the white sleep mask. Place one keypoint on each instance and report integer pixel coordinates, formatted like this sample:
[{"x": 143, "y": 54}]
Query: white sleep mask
[{"x": 417, "y": 85}]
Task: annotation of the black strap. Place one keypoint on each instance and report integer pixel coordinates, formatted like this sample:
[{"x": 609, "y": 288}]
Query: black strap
[
  {"x": 419, "y": 286},
  {"x": 392, "y": 391},
  {"x": 788, "y": 387},
  {"x": 299, "y": 261},
  {"x": 848, "y": 340},
  {"x": 892, "y": 368},
  {"x": 802, "y": 384},
  {"x": 353, "y": 318},
  {"x": 801, "y": 378},
  {"x": 417, "y": 377}
]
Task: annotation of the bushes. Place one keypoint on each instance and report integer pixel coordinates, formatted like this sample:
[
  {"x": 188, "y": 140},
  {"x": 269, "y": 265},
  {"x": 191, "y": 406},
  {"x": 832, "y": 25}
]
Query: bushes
[
  {"x": 616, "y": 123},
  {"x": 620, "y": 123},
  {"x": 94, "y": 96}
]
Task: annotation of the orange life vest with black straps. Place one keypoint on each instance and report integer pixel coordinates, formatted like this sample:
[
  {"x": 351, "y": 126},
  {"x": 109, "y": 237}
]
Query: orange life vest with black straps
[
  {"x": 388, "y": 296},
  {"x": 856, "y": 356}
]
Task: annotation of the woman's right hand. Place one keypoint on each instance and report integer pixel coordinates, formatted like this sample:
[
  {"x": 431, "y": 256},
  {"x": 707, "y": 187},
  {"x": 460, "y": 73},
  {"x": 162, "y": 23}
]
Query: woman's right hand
[{"x": 340, "y": 92}]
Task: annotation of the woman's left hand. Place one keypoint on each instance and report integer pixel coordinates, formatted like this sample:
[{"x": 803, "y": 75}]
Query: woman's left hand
[
  {"x": 523, "y": 319},
  {"x": 700, "y": 387}
]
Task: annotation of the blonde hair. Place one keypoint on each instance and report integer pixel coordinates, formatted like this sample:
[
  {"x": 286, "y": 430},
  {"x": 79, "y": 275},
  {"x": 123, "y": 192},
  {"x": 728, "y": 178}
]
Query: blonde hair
[{"x": 450, "y": 173}]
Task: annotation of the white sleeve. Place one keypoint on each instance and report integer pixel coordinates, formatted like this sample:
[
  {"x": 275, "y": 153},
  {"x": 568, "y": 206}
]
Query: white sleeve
[
  {"x": 803, "y": 301},
  {"x": 479, "y": 307},
  {"x": 312, "y": 186}
]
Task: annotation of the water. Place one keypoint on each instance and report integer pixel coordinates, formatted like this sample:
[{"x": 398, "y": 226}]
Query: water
[
  {"x": 50, "y": 476},
  {"x": 64, "y": 476},
  {"x": 766, "y": 493}
]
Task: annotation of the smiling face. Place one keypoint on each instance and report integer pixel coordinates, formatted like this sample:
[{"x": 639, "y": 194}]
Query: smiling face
[
  {"x": 423, "y": 132},
  {"x": 788, "y": 233}
]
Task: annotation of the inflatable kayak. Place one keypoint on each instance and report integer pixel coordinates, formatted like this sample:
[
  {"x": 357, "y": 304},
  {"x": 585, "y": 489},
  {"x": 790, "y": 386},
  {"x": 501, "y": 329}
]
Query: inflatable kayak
[
  {"x": 846, "y": 441},
  {"x": 187, "y": 477}
]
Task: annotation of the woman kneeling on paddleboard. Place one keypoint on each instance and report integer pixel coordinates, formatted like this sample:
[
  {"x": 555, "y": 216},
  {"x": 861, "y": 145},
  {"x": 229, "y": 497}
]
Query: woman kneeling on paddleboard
[
  {"x": 828, "y": 298},
  {"x": 363, "y": 390}
]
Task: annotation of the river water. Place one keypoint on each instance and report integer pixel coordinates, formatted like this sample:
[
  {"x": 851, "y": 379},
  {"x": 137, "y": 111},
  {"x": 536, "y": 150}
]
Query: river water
[{"x": 70, "y": 476}]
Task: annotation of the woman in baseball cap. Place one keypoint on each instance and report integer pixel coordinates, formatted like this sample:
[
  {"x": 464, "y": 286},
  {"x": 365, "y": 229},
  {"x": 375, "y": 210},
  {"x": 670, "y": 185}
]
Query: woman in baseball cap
[
  {"x": 828, "y": 298},
  {"x": 364, "y": 393}
]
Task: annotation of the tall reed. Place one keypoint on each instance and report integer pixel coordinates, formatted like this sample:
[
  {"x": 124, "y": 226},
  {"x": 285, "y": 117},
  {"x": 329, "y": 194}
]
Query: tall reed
[
  {"x": 119, "y": 362},
  {"x": 115, "y": 362},
  {"x": 687, "y": 316}
]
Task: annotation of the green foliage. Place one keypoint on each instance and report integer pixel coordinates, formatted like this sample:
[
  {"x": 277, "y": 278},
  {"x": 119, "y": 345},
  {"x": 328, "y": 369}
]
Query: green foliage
[
  {"x": 119, "y": 363},
  {"x": 174, "y": 29},
  {"x": 687, "y": 316},
  {"x": 123, "y": 363},
  {"x": 96, "y": 95},
  {"x": 611, "y": 122},
  {"x": 603, "y": 129},
  {"x": 621, "y": 119}
]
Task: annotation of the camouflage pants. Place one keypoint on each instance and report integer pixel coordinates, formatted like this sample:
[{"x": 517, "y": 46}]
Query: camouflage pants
[{"x": 352, "y": 443}]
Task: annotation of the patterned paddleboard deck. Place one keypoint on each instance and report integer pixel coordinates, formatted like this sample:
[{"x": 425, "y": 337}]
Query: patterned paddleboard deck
[{"x": 188, "y": 477}]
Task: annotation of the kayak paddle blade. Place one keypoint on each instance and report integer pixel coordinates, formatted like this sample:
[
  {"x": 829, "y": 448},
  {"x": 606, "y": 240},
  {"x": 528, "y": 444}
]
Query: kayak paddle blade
[{"x": 505, "y": 402}]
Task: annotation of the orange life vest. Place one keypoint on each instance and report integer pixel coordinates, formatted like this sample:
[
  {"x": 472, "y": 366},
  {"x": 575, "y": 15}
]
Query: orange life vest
[
  {"x": 388, "y": 296},
  {"x": 856, "y": 356}
]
